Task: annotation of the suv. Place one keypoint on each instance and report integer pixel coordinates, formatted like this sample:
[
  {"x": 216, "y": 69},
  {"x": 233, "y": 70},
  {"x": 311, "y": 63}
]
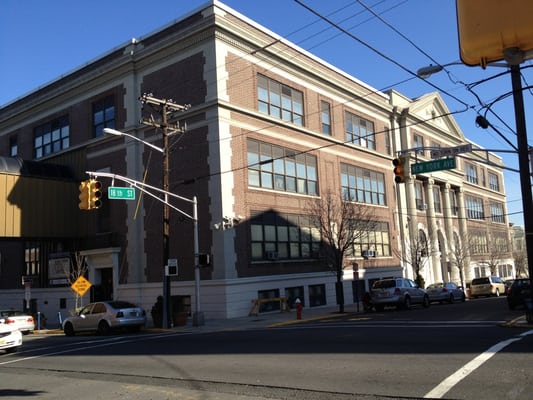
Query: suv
[
  {"x": 399, "y": 292},
  {"x": 487, "y": 286},
  {"x": 519, "y": 291}
]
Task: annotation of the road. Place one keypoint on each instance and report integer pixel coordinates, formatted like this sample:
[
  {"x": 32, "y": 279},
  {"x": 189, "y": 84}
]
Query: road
[{"x": 456, "y": 351}]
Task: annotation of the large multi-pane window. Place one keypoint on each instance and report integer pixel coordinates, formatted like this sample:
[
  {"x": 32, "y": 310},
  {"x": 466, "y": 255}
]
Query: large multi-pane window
[
  {"x": 283, "y": 236},
  {"x": 496, "y": 212},
  {"x": 103, "y": 115},
  {"x": 279, "y": 168},
  {"x": 325, "y": 117},
  {"x": 279, "y": 100},
  {"x": 377, "y": 239},
  {"x": 51, "y": 137},
  {"x": 494, "y": 182},
  {"x": 479, "y": 243},
  {"x": 360, "y": 131},
  {"x": 471, "y": 173},
  {"x": 500, "y": 242},
  {"x": 362, "y": 185},
  {"x": 474, "y": 207}
]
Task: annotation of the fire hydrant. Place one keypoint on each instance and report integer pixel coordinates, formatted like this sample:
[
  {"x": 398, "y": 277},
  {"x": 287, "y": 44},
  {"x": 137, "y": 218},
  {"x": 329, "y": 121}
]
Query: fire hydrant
[{"x": 298, "y": 309}]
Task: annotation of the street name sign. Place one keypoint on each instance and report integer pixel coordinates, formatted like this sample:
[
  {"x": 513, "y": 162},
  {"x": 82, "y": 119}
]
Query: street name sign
[
  {"x": 431, "y": 166},
  {"x": 120, "y": 193},
  {"x": 451, "y": 151}
]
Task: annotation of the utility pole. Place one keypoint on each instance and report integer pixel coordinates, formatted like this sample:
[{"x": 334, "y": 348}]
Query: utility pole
[{"x": 165, "y": 108}]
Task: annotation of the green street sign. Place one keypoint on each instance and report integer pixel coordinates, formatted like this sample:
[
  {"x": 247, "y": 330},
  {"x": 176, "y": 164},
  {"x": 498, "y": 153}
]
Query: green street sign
[
  {"x": 435, "y": 165},
  {"x": 120, "y": 193}
]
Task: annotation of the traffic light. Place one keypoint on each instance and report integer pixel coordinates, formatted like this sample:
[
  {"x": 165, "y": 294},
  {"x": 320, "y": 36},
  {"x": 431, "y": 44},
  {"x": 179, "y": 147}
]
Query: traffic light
[
  {"x": 401, "y": 169},
  {"x": 84, "y": 195},
  {"x": 94, "y": 194}
]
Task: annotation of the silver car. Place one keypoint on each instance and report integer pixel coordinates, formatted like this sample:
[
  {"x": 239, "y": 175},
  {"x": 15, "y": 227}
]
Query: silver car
[
  {"x": 399, "y": 292},
  {"x": 103, "y": 316},
  {"x": 448, "y": 292}
]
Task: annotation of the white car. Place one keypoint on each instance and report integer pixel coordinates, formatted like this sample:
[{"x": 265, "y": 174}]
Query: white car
[
  {"x": 22, "y": 321},
  {"x": 10, "y": 338}
]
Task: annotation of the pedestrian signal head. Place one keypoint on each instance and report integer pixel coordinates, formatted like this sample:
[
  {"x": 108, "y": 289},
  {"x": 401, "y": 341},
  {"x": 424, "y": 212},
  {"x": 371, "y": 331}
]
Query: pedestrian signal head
[{"x": 400, "y": 169}]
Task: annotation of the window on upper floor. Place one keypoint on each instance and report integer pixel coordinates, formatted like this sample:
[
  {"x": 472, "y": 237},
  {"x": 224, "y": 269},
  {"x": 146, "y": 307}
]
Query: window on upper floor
[
  {"x": 419, "y": 195},
  {"x": 474, "y": 207},
  {"x": 436, "y": 199},
  {"x": 378, "y": 239},
  {"x": 51, "y": 137},
  {"x": 103, "y": 115},
  {"x": 360, "y": 131},
  {"x": 279, "y": 168},
  {"x": 478, "y": 242},
  {"x": 494, "y": 182},
  {"x": 496, "y": 212},
  {"x": 362, "y": 185},
  {"x": 325, "y": 117},
  {"x": 13, "y": 146},
  {"x": 418, "y": 141},
  {"x": 471, "y": 173},
  {"x": 279, "y": 100},
  {"x": 283, "y": 236},
  {"x": 453, "y": 202},
  {"x": 388, "y": 148},
  {"x": 500, "y": 242}
]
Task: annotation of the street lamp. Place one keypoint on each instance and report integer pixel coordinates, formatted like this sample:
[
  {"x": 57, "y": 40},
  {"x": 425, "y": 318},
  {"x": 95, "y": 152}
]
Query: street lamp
[{"x": 198, "y": 318}]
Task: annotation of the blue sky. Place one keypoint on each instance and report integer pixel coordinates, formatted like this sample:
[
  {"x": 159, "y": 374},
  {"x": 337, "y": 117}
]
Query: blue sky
[{"x": 42, "y": 40}]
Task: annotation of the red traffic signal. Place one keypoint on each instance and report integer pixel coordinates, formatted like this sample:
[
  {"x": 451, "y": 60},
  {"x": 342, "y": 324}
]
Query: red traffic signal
[{"x": 401, "y": 169}]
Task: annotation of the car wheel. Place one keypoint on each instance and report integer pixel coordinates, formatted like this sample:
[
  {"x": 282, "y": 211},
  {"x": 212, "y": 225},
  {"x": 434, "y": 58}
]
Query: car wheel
[
  {"x": 407, "y": 302},
  {"x": 12, "y": 349},
  {"x": 497, "y": 293},
  {"x": 425, "y": 302},
  {"x": 103, "y": 328},
  {"x": 68, "y": 329},
  {"x": 451, "y": 299}
]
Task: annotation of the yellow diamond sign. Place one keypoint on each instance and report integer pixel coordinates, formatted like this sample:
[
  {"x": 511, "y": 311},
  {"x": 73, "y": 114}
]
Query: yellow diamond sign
[{"x": 81, "y": 285}]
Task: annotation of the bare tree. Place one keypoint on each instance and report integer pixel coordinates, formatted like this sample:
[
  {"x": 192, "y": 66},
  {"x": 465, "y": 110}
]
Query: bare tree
[
  {"x": 416, "y": 255},
  {"x": 77, "y": 268},
  {"x": 341, "y": 223},
  {"x": 460, "y": 254},
  {"x": 520, "y": 263}
]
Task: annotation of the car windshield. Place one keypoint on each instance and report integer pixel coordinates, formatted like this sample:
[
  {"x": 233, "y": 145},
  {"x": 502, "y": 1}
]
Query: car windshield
[
  {"x": 385, "y": 284},
  {"x": 121, "y": 304}
]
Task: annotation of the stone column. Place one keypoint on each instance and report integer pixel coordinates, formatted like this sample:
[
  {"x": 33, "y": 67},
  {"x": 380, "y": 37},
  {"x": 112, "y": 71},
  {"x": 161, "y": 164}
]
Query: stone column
[{"x": 434, "y": 252}]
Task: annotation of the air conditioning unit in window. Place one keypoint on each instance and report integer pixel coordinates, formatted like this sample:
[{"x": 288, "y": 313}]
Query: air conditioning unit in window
[
  {"x": 422, "y": 207},
  {"x": 271, "y": 255},
  {"x": 368, "y": 253}
]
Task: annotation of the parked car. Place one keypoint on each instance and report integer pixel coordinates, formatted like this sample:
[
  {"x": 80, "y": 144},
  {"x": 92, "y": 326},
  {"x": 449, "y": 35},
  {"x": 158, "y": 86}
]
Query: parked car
[
  {"x": 519, "y": 291},
  {"x": 448, "y": 291},
  {"x": 508, "y": 283},
  {"x": 399, "y": 292},
  {"x": 487, "y": 286},
  {"x": 10, "y": 338},
  {"x": 103, "y": 316},
  {"x": 20, "y": 320}
]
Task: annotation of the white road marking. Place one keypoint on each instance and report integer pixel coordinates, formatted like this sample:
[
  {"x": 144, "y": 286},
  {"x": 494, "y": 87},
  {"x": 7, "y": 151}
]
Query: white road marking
[{"x": 448, "y": 383}]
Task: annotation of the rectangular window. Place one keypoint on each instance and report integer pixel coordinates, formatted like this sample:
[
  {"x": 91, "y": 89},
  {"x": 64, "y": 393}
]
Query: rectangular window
[
  {"x": 281, "y": 236},
  {"x": 388, "y": 149},
  {"x": 496, "y": 212},
  {"x": 471, "y": 173},
  {"x": 418, "y": 141},
  {"x": 51, "y": 137},
  {"x": 317, "y": 295},
  {"x": 13, "y": 146},
  {"x": 453, "y": 203},
  {"x": 362, "y": 185},
  {"x": 500, "y": 242},
  {"x": 419, "y": 196},
  {"x": 494, "y": 182},
  {"x": 474, "y": 207},
  {"x": 103, "y": 115},
  {"x": 436, "y": 199},
  {"x": 325, "y": 117},
  {"x": 479, "y": 243},
  {"x": 360, "y": 131},
  {"x": 377, "y": 240},
  {"x": 278, "y": 168},
  {"x": 279, "y": 101}
]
